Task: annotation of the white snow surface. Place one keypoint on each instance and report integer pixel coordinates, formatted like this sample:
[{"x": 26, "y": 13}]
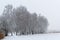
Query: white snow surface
[{"x": 51, "y": 36}]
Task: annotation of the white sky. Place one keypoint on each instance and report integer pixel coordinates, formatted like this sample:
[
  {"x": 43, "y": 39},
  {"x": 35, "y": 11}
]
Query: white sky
[{"x": 48, "y": 8}]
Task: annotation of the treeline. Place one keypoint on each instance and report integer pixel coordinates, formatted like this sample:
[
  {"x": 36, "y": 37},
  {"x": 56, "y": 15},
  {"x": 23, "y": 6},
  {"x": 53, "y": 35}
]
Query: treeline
[{"x": 20, "y": 20}]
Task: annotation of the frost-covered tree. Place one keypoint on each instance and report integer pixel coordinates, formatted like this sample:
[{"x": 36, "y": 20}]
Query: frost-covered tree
[
  {"x": 33, "y": 22},
  {"x": 3, "y": 25},
  {"x": 8, "y": 14},
  {"x": 42, "y": 24},
  {"x": 22, "y": 19}
]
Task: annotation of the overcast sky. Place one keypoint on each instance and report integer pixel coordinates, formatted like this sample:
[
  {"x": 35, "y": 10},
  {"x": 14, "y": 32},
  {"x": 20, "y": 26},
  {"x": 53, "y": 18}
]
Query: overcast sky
[{"x": 49, "y": 8}]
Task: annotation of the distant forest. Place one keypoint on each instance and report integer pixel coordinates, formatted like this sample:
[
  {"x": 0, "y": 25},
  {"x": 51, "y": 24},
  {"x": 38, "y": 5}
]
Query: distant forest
[{"x": 21, "y": 21}]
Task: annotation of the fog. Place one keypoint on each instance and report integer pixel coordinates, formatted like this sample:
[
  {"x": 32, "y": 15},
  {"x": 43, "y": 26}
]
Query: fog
[{"x": 48, "y": 8}]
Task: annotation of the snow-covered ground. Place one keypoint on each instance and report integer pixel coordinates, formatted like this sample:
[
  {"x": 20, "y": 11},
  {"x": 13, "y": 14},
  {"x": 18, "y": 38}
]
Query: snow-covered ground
[{"x": 51, "y": 36}]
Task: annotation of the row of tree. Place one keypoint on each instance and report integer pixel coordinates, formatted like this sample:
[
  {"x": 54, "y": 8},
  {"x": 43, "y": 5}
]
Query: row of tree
[{"x": 20, "y": 20}]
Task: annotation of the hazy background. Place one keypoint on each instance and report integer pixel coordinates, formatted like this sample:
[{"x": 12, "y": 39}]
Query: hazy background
[{"x": 48, "y": 8}]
